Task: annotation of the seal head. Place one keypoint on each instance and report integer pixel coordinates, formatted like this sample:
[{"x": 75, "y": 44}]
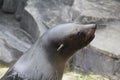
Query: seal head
[{"x": 66, "y": 39}]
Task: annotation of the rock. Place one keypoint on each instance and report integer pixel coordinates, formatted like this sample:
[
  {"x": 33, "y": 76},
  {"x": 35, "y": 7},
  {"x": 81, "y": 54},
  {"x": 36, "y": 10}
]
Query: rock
[
  {"x": 104, "y": 41},
  {"x": 68, "y": 2},
  {"x": 90, "y": 61},
  {"x": 14, "y": 41},
  {"x": 102, "y": 56},
  {"x": 10, "y": 6},
  {"x": 103, "y": 8},
  {"x": 29, "y": 24},
  {"x": 1, "y": 3},
  {"x": 94, "y": 11},
  {"x": 47, "y": 14},
  {"x": 20, "y": 9},
  {"x": 53, "y": 12},
  {"x": 8, "y": 54}
]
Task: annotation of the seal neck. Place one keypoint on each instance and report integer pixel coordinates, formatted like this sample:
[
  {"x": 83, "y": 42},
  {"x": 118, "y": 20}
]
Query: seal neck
[{"x": 41, "y": 58}]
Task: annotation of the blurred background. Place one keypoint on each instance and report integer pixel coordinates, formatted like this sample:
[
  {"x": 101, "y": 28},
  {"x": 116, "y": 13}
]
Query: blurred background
[{"x": 23, "y": 21}]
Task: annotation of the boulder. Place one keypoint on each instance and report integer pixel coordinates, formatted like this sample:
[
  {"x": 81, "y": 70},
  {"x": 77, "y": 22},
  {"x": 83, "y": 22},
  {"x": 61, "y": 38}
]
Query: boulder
[
  {"x": 97, "y": 11},
  {"x": 10, "y": 6},
  {"x": 102, "y": 55},
  {"x": 20, "y": 9},
  {"x": 1, "y": 3},
  {"x": 52, "y": 12},
  {"x": 8, "y": 54},
  {"x": 14, "y": 41}
]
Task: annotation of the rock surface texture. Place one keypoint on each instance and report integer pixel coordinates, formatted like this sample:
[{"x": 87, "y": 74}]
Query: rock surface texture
[
  {"x": 31, "y": 18},
  {"x": 103, "y": 54}
]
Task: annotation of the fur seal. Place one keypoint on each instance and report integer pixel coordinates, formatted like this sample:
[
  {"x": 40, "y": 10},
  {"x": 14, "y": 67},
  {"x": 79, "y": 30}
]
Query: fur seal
[{"x": 47, "y": 58}]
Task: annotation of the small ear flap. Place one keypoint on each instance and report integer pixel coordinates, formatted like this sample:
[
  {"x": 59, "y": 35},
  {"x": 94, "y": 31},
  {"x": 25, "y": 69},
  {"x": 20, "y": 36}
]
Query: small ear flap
[{"x": 60, "y": 47}]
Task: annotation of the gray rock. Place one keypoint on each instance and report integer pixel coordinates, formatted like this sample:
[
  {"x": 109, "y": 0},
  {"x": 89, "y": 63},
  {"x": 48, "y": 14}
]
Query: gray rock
[
  {"x": 68, "y": 2},
  {"x": 1, "y": 3},
  {"x": 103, "y": 54},
  {"x": 29, "y": 24},
  {"x": 102, "y": 57},
  {"x": 14, "y": 40},
  {"x": 90, "y": 60},
  {"x": 20, "y": 9},
  {"x": 53, "y": 12},
  {"x": 107, "y": 40},
  {"x": 8, "y": 54},
  {"x": 94, "y": 11},
  {"x": 103, "y": 8},
  {"x": 10, "y": 6}
]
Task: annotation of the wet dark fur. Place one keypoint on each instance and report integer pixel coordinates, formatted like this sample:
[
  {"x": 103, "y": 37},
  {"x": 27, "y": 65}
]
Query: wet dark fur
[{"x": 47, "y": 58}]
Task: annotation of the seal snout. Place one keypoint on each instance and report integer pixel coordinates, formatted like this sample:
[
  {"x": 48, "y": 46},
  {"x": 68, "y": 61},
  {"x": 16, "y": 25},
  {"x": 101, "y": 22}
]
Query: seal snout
[
  {"x": 92, "y": 26},
  {"x": 91, "y": 31}
]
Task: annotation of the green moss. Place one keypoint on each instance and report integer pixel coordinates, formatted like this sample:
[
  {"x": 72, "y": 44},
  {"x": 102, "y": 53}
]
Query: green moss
[
  {"x": 3, "y": 66},
  {"x": 76, "y": 76},
  {"x": 3, "y": 69}
]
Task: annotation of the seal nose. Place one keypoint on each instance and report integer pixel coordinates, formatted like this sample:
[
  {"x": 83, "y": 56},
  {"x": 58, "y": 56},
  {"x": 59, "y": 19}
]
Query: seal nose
[
  {"x": 91, "y": 30},
  {"x": 94, "y": 27}
]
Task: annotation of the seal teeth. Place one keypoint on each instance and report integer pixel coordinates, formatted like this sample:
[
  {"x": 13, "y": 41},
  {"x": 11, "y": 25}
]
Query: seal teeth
[{"x": 60, "y": 47}]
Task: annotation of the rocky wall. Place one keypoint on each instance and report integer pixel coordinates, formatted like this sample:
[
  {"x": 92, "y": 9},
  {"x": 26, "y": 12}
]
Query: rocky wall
[{"x": 15, "y": 30}]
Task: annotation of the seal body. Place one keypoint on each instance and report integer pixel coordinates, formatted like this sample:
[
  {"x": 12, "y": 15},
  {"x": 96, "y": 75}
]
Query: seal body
[{"x": 47, "y": 58}]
